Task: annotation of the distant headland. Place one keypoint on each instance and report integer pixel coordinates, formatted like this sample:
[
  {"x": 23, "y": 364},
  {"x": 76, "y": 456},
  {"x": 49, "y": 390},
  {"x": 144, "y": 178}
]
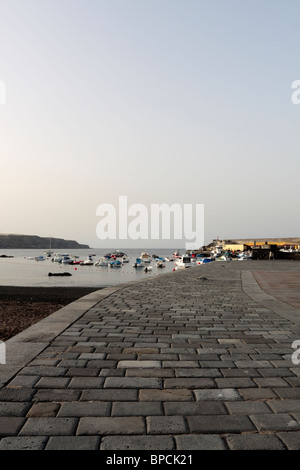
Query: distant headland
[{"x": 12, "y": 241}]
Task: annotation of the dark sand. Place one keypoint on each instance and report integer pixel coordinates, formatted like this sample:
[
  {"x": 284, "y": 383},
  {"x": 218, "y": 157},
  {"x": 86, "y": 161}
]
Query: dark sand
[{"x": 21, "y": 307}]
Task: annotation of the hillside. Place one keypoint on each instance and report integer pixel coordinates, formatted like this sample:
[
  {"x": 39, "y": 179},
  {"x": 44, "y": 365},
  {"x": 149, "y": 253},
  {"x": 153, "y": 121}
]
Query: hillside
[{"x": 12, "y": 241}]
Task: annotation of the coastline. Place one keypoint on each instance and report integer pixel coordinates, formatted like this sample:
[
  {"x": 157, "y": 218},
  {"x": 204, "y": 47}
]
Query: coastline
[{"x": 21, "y": 307}]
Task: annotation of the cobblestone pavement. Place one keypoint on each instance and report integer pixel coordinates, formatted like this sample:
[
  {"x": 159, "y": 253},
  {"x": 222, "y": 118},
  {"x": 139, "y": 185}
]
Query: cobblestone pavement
[{"x": 196, "y": 359}]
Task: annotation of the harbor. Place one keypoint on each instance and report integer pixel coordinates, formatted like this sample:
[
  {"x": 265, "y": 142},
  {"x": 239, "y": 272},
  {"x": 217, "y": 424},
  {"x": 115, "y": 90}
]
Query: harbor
[
  {"x": 149, "y": 248},
  {"x": 94, "y": 267},
  {"x": 200, "y": 358}
]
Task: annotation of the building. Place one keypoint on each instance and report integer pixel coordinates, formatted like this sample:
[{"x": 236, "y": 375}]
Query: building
[{"x": 252, "y": 243}]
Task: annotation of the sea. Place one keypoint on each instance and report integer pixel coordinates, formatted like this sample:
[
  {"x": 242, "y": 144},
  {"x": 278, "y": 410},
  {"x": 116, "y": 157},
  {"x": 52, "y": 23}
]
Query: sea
[{"x": 18, "y": 270}]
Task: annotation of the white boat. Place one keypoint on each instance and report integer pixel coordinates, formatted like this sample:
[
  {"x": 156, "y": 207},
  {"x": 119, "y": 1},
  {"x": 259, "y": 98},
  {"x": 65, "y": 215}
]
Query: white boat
[
  {"x": 287, "y": 250},
  {"x": 176, "y": 254},
  {"x": 40, "y": 258},
  {"x": 67, "y": 260},
  {"x": 102, "y": 262},
  {"x": 160, "y": 264},
  {"x": 244, "y": 256},
  {"x": 116, "y": 263},
  {"x": 145, "y": 257},
  {"x": 125, "y": 259},
  {"x": 58, "y": 257},
  {"x": 48, "y": 253},
  {"x": 222, "y": 258},
  {"x": 88, "y": 261},
  {"x": 138, "y": 263},
  {"x": 183, "y": 262}
]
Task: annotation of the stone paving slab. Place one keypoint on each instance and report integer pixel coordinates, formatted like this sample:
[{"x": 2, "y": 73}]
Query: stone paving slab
[{"x": 191, "y": 360}]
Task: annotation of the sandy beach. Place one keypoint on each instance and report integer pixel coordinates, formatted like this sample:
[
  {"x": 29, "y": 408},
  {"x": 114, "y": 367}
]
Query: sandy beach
[{"x": 21, "y": 307}]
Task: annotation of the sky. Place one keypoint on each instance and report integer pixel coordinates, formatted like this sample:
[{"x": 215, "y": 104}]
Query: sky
[{"x": 162, "y": 101}]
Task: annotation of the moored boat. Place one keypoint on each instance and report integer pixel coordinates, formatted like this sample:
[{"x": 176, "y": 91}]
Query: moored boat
[
  {"x": 160, "y": 264},
  {"x": 204, "y": 260},
  {"x": 118, "y": 254},
  {"x": 103, "y": 261},
  {"x": 116, "y": 263},
  {"x": 183, "y": 262},
  {"x": 138, "y": 263},
  {"x": 87, "y": 262},
  {"x": 145, "y": 257},
  {"x": 58, "y": 257},
  {"x": 40, "y": 258}
]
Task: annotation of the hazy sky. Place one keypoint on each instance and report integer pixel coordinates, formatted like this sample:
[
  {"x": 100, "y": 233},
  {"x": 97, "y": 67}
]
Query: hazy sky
[{"x": 164, "y": 101}]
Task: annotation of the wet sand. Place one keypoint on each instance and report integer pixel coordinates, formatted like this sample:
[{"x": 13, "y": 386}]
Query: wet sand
[{"x": 21, "y": 307}]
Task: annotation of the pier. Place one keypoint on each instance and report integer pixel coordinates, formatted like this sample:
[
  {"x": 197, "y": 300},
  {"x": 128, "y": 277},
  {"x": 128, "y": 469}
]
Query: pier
[{"x": 198, "y": 359}]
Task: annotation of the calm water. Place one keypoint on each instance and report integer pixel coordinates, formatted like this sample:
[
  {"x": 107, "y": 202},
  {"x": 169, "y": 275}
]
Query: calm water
[{"x": 19, "y": 271}]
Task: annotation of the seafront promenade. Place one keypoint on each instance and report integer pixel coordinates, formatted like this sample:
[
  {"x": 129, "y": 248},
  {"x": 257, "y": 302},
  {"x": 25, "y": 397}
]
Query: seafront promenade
[{"x": 190, "y": 360}]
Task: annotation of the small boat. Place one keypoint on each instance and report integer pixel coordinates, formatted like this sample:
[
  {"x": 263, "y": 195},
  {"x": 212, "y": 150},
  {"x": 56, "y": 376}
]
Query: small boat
[
  {"x": 223, "y": 258},
  {"x": 147, "y": 269},
  {"x": 160, "y": 264},
  {"x": 67, "y": 260},
  {"x": 145, "y": 257},
  {"x": 48, "y": 253},
  {"x": 102, "y": 262},
  {"x": 204, "y": 260},
  {"x": 176, "y": 254},
  {"x": 59, "y": 274},
  {"x": 138, "y": 263},
  {"x": 125, "y": 259},
  {"x": 244, "y": 256},
  {"x": 118, "y": 254},
  {"x": 40, "y": 258},
  {"x": 87, "y": 262},
  {"x": 58, "y": 257},
  {"x": 183, "y": 262},
  {"x": 115, "y": 264}
]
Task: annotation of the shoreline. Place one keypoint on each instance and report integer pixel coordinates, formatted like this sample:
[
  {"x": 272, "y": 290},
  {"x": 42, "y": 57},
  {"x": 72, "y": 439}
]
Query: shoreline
[{"x": 21, "y": 307}]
